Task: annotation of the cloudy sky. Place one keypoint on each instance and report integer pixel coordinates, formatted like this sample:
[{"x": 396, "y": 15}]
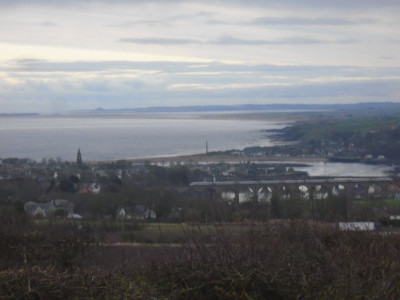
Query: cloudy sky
[{"x": 58, "y": 55}]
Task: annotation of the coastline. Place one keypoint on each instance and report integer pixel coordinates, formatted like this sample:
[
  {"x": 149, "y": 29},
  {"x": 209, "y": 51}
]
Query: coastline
[{"x": 224, "y": 157}]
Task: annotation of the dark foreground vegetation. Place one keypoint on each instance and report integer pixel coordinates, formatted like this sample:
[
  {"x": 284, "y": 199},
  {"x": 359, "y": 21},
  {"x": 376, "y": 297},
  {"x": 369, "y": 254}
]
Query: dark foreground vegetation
[{"x": 276, "y": 260}]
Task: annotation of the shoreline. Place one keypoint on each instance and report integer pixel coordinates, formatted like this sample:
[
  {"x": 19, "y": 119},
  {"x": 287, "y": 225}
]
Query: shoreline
[{"x": 218, "y": 158}]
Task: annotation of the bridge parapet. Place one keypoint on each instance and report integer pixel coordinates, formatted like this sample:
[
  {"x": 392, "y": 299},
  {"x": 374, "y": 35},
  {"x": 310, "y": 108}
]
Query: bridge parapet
[
  {"x": 330, "y": 180},
  {"x": 317, "y": 188}
]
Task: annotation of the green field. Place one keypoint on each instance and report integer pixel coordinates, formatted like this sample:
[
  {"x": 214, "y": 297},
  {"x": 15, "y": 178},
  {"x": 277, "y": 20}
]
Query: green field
[{"x": 378, "y": 203}]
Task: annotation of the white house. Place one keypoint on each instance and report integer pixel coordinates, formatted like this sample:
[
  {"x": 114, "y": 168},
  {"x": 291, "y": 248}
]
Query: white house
[{"x": 44, "y": 209}]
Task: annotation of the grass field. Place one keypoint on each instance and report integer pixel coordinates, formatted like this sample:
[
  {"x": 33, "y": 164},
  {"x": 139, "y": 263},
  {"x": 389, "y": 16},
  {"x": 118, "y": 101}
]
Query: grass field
[
  {"x": 345, "y": 125},
  {"x": 378, "y": 203},
  {"x": 171, "y": 233}
]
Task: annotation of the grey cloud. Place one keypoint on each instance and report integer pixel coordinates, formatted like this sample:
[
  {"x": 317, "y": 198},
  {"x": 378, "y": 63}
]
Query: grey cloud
[
  {"x": 318, "y": 4},
  {"x": 365, "y": 89},
  {"x": 35, "y": 65},
  {"x": 43, "y": 66},
  {"x": 144, "y": 22},
  {"x": 49, "y": 24},
  {"x": 344, "y": 4},
  {"x": 229, "y": 40},
  {"x": 163, "y": 21},
  {"x": 28, "y": 61},
  {"x": 162, "y": 41},
  {"x": 309, "y": 21},
  {"x": 121, "y": 92},
  {"x": 339, "y": 88},
  {"x": 387, "y": 57},
  {"x": 292, "y": 21},
  {"x": 200, "y": 14}
]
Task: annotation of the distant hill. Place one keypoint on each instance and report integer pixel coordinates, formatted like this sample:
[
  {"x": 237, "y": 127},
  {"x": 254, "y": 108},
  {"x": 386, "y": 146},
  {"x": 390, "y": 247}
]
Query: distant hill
[
  {"x": 245, "y": 107},
  {"x": 19, "y": 115}
]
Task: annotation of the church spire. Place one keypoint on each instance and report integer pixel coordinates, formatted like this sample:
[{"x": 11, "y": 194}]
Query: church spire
[{"x": 79, "y": 158}]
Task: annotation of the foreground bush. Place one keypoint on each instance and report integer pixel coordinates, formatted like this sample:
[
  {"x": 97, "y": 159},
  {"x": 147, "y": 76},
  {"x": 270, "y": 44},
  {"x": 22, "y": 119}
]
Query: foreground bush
[
  {"x": 51, "y": 284},
  {"x": 294, "y": 260},
  {"x": 60, "y": 244},
  {"x": 297, "y": 261}
]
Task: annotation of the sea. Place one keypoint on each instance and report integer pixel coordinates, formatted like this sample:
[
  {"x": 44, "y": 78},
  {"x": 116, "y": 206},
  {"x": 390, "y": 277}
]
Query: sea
[
  {"x": 115, "y": 137},
  {"x": 126, "y": 136}
]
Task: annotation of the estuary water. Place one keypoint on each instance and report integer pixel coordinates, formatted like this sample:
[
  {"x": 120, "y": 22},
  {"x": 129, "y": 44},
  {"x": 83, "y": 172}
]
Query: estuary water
[
  {"x": 324, "y": 168},
  {"x": 125, "y": 136},
  {"x": 345, "y": 169}
]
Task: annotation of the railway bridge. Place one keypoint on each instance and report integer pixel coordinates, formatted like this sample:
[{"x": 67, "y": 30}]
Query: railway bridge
[{"x": 310, "y": 188}]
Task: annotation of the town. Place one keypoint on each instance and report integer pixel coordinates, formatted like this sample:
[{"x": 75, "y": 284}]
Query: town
[
  {"x": 140, "y": 218},
  {"x": 192, "y": 190}
]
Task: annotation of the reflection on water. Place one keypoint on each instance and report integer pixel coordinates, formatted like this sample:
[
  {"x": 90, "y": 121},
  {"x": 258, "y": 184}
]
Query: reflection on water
[{"x": 344, "y": 169}]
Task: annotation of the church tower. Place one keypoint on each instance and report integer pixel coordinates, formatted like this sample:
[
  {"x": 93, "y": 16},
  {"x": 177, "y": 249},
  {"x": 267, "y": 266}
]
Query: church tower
[{"x": 79, "y": 158}]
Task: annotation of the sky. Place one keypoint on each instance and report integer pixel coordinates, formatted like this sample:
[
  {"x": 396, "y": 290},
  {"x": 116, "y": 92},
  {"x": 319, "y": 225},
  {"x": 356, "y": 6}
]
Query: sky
[{"x": 57, "y": 56}]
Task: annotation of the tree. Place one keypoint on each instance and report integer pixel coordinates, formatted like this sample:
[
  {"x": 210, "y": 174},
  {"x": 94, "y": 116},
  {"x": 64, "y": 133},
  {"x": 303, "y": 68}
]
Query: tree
[
  {"x": 276, "y": 206},
  {"x": 67, "y": 186}
]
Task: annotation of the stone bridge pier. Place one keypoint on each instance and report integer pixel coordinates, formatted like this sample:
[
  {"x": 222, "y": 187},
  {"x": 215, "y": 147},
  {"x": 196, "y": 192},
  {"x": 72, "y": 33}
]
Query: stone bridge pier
[{"x": 309, "y": 189}]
